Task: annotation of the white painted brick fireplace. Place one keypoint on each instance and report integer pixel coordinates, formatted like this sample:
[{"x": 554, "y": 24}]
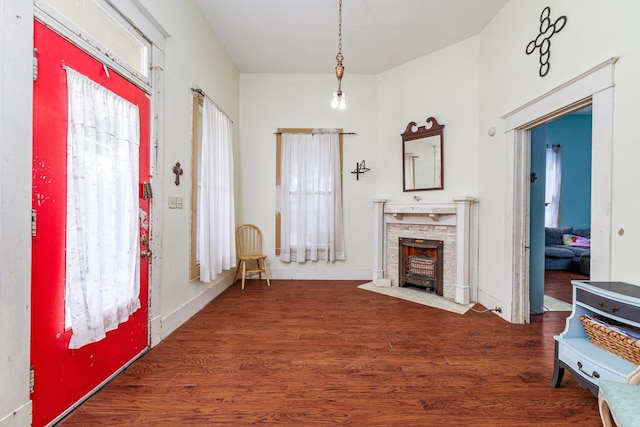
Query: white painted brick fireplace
[{"x": 454, "y": 223}]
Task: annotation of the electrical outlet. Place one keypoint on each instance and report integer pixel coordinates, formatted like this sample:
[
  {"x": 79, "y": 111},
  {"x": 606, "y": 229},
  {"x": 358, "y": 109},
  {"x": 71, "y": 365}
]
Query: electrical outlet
[{"x": 498, "y": 310}]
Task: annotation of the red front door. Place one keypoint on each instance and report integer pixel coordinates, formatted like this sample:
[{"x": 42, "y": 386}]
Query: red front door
[{"x": 64, "y": 377}]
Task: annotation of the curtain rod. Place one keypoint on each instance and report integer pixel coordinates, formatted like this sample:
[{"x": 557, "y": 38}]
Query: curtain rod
[
  {"x": 200, "y": 93},
  {"x": 339, "y": 133}
]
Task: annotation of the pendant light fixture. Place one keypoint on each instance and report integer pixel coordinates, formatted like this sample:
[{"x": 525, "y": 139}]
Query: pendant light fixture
[{"x": 339, "y": 98}]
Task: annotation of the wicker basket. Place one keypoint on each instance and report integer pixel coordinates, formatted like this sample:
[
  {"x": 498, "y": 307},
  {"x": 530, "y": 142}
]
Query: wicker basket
[{"x": 611, "y": 340}]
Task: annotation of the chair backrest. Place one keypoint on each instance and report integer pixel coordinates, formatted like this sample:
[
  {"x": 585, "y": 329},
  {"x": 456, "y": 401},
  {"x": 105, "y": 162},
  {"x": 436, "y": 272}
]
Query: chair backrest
[{"x": 248, "y": 240}]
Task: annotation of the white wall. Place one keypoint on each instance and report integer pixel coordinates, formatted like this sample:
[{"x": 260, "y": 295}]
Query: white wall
[
  {"x": 443, "y": 85},
  {"x": 16, "y": 44},
  {"x": 595, "y": 32},
  {"x": 193, "y": 55},
  {"x": 272, "y": 101}
]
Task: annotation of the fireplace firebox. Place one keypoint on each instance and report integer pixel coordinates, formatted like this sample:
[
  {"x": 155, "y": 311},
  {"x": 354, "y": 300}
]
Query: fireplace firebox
[{"x": 420, "y": 263}]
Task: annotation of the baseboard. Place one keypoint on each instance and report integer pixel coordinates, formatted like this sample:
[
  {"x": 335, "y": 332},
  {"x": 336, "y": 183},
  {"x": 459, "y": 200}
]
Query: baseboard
[
  {"x": 306, "y": 273},
  {"x": 175, "y": 319},
  {"x": 489, "y": 301},
  {"x": 155, "y": 324},
  {"x": 18, "y": 417}
]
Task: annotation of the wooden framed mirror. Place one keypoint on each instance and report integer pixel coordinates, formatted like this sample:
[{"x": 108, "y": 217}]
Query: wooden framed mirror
[{"x": 422, "y": 156}]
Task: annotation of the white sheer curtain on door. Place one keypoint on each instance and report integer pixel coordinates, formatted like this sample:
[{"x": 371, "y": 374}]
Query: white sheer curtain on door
[
  {"x": 216, "y": 234},
  {"x": 553, "y": 181},
  {"x": 311, "y": 197},
  {"x": 102, "y": 262}
]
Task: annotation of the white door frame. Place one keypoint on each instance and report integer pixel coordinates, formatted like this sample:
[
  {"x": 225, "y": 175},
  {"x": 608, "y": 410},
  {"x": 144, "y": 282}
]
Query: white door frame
[{"x": 595, "y": 87}]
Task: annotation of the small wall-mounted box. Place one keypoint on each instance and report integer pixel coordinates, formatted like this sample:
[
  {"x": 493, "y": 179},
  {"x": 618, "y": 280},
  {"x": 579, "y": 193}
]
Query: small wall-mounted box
[{"x": 175, "y": 202}]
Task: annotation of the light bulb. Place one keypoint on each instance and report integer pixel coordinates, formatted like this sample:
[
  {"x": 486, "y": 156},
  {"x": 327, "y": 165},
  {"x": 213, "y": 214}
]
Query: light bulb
[
  {"x": 343, "y": 101},
  {"x": 335, "y": 103}
]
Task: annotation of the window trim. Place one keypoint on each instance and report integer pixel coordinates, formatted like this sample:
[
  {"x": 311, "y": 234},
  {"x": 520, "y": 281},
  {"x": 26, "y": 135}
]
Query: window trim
[
  {"x": 280, "y": 131},
  {"x": 196, "y": 141}
]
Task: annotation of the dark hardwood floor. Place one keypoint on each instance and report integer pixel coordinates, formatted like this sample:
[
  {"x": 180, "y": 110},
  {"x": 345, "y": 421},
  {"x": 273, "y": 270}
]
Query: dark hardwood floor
[
  {"x": 557, "y": 284},
  {"x": 327, "y": 353}
]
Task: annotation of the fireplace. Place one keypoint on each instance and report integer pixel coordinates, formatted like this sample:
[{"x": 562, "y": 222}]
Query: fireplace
[
  {"x": 420, "y": 263},
  {"x": 454, "y": 223}
]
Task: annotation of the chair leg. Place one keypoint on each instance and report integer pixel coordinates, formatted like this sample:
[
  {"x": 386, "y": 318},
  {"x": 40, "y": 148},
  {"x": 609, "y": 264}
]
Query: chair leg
[
  {"x": 266, "y": 271},
  {"x": 244, "y": 268},
  {"x": 235, "y": 277}
]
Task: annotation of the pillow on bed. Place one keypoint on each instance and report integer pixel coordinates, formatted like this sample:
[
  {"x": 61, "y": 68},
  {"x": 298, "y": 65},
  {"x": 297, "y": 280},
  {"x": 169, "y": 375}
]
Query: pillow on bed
[{"x": 575, "y": 240}]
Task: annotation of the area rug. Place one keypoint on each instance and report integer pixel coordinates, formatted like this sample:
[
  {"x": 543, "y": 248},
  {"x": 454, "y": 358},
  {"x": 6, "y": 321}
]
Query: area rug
[
  {"x": 553, "y": 304},
  {"x": 418, "y": 296}
]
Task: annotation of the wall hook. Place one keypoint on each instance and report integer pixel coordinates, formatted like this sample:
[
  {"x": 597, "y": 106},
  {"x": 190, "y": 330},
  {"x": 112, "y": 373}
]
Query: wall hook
[
  {"x": 360, "y": 168},
  {"x": 533, "y": 177}
]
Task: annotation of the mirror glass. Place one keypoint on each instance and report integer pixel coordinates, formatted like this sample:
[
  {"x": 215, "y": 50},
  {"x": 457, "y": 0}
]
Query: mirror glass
[{"x": 422, "y": 156}]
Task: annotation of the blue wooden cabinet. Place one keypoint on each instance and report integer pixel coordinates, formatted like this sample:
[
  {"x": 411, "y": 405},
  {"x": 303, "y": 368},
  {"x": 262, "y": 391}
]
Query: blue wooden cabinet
[{"x": 573, "y": 350}]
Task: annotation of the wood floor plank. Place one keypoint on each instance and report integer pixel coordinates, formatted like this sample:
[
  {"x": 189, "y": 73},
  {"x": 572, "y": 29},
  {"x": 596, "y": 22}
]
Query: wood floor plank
[
  {"x": 557, "y": 284},
  {"x": 327, "y": 353}
]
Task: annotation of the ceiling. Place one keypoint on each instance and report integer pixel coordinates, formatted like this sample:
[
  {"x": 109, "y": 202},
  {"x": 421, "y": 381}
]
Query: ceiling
[{"x": 301, "y": 36}]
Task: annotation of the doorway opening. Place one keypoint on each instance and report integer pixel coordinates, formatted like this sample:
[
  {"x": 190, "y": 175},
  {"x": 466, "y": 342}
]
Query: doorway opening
[
  {"x": 596, "y": 88},
  {"x": 560, "y": 209}
]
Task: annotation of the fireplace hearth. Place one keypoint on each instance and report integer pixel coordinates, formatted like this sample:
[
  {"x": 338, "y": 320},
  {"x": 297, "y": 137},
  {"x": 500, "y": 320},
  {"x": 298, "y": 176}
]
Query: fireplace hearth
[{"x": 420, "y": 263}]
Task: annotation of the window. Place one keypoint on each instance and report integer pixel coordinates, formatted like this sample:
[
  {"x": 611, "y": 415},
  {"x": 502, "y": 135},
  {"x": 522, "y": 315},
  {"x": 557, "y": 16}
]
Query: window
[
  {"x": 102, "y": 233},
  {"x": 553, "y": 181},
  {"x": 212, "y": 197},
  {"x": 309, "y": 181},
  {"x": 96, "y": 20},
  {"x": 196, "y": 184}
]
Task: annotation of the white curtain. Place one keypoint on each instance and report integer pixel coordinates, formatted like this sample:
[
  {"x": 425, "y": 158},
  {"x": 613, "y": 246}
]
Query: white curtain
[
  {"x": 102, "y": 261},
  {"x": 553, "y": 181},
  {"x": 311, "y": 197},
  {"x": 216, "y": 211}
]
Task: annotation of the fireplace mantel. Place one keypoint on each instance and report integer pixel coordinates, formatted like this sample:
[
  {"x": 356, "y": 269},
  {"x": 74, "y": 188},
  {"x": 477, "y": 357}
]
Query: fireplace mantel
[
  {"x": 460, "y": 214},
  {"x": 432, "y": 210}
]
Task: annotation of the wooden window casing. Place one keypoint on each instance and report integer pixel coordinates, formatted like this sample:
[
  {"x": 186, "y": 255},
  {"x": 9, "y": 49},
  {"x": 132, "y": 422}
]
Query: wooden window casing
[
  {"x": 279, "y": 172},
  {"x": 196, "y": 149}
]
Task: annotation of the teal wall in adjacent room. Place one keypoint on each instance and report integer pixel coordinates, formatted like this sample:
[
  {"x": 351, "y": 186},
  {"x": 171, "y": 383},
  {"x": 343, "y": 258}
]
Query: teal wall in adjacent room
[
  {"x": 573, "y": 133},
  {"x": 536, "y": 217}
]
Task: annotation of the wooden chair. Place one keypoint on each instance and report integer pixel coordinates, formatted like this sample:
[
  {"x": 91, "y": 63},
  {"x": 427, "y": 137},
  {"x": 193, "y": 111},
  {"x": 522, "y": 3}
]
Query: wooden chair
[
  {"x": 620, "y": 402},
  {"x": 249, "y": 248}
]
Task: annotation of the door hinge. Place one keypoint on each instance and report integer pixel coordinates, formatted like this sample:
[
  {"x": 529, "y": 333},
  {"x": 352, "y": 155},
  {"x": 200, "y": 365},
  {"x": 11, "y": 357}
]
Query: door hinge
[
  {"x": 33, "y": 222},
  {"x": 147, "y": 193},
  {"x": 35, "y": 64},
  {"x": 32, "y": 374}
]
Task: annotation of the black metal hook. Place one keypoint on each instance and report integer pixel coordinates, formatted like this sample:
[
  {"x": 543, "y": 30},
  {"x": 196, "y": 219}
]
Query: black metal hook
[{"x": 360, "y": 168}]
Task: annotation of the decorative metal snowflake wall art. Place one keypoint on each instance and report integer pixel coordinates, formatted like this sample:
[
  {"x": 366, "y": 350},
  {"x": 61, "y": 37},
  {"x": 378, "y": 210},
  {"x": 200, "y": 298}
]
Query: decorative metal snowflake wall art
[{"x": 543, "y": 40}]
